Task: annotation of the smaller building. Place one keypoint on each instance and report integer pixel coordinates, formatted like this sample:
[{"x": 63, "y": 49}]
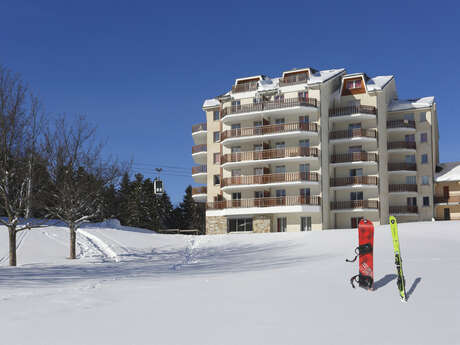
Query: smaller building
[{"x": 447, "y": 192}]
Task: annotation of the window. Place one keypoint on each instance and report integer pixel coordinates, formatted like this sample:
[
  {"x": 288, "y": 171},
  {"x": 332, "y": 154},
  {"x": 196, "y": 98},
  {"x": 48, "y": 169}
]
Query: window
[
  {"x": 356, "y": 172},
  {"x": 216, "y": 136},
  {"x": 304, "y": 168},
  {"x": 410, "y": 159},
  {"x": 354, "y": 84},
  {"x": 236, "y": 126},
  {"x": 280, "y": 193},
  {"x": 304, "y": 143},
  {"x": 409, "y": 138},
  {"x": 236, "y": 196},
  {"x": 257, "y": 100},
  {"x": 303, "y": 95},
  {"x": 236, "y": 103},
  {"x": 258, "y": 123},
  {"x": 426, "y": 201},
  {"x": 353, "y": 126},
  {"x": 258, "y": 194},
  {"x": 216, "y": 179},
  {"x": 304, "y": 119},
  {"x": 423, "y": 117},
  {"x": 409, "y": 116},
  {"x": 279, "y": 98},
  {"x": 411, "y": 179},
  {"x": 239, "y": 224},
  {"x": 281, "y": 224},
  {"x": 423, "y": 137},
  {"x": 280, "y": 145},
  {"x": 236, "y": 149},
  {"x": 258, "y": 147},
  {"x": 424, "y": 158},
  {"x": 216, "y": 158},
  {"x": 279, "y": 121},
  {"x": 216, "y": 115},
  {"x": 425, "y": 180},
  {"x": 305, "y": 192},
  {"x": 353, "y": 149},
  {"x": 356, "y": 196},
  {"x": 305, "y": 223},
  {"x": 258, "y": 171},
  {"x": 236, "y": 172},
  {"x": 280, "y": 169},
  {"x": 412, "y": 201}
]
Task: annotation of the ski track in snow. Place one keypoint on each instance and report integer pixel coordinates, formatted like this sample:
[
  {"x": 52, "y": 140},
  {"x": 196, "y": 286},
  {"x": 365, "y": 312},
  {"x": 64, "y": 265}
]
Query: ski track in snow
[
  {"x": 99, "y": 245},
  {"x": 19, "y": 240}
]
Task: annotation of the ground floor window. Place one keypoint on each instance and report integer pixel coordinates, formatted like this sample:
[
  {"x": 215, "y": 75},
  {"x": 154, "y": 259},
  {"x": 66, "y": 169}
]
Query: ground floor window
[
  {"x": 305, "y": 223},
  {"x": 447, "y": 214},
  {"x": 281, "y": 224},
  {"x": 239, "y": 224}
]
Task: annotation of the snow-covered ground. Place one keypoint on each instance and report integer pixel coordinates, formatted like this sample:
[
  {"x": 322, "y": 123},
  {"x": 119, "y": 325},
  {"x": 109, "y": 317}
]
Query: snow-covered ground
[{"x": 131, "y": 286}]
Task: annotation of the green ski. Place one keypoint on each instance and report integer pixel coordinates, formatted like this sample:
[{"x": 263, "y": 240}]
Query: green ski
[{"x": 398, "y": 261}]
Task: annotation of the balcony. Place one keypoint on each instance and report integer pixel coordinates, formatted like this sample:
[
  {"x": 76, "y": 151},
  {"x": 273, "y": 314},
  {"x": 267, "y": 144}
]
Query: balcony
[
  {"x": 353, "y": 112},
  {"x": 270, "y": 155},
  {"x": 245, "y": 87},
  {"x": 300, "y": 78},
  {"x": 255, "y": 181},
  {"x": 411, "y": 210},
  {"x": 454, "y": 199},
  {"x": 293, "y": 200},
  {"x": 354, "y": 182},
  {"x": 238, "y": 112},
  {"x": 199, "y": 133},
  {"x": 353, "y": 205},
  {"x": 355, "y": 158},
  {"x": 199, "y": 153},
  {"x": 402, "y": 167},
  {"x": 270, "y": 131},
  {"x": 402, "y": 188},
  {"x": 358, "y": 134},
  {"x": 401, "y": 146},
  {"x": 401, "y": 125},
  {"x": 199, "y": 194},
  {"x": 199, "y": 173}
]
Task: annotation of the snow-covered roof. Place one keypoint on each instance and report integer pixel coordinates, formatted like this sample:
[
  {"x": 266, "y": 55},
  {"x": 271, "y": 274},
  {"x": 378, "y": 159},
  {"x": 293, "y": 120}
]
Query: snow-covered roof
[
  {"x": 425, "y": 102},
  {"x": 322, "y": 76},
  {"x": 378, "y": 83},
  {"x": 450, "y": 172},
  {"x": 211, "y": 103},
  {"x": 268, "y": 84}
]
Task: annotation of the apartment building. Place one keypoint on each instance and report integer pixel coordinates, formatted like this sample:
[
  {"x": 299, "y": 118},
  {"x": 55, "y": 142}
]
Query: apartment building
[
  {"x": 447, "y": 192},
  {"x": 314, "y": 150}
]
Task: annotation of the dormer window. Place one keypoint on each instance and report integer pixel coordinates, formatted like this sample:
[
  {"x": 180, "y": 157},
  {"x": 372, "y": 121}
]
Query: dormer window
[
  {"x": 294, "y": 78},
  {"x": 354, "y": 84}
]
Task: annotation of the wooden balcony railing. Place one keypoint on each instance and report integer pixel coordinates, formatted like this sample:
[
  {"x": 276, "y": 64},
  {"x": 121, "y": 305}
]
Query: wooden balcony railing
[
  {"x": 270, "y": 154},
  {"x": 270, "y": 178},
  {"x": 353, "y": 204},
  {"x": 395, "y": 145},
  {"x": 291, "y": 200},
  {"x": 199, "y": 169},
  {"x": 349, "y": 181},
  {"x": 262, "y": 106},
  {"x": 353, "y": 133},
  {"x": 402, "y": 166},
  {"x": 199, "y": 127},
  {"x": 403, "y": 209},
  {"x": 401, "y": 124},
  {"x": 359, "y": 109},
  {"x": 299, "y": 78},
  {"x": 397, "y": 188},
  {"x": 353, "y": 157},
  {"x": 446, "y": 200},
  {"x": 244, "y": 87},
  {"x": 199, "y": 148},
  {"x": 199, "y": 190},
  {"x": 271, "y": 129}
]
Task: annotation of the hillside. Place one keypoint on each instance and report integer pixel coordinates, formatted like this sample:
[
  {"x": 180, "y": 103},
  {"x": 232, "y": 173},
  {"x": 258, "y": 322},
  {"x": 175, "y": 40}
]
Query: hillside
[{"x": 132, "y": 286}]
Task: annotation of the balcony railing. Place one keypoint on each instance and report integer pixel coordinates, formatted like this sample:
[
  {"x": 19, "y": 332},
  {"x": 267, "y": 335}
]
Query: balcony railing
[
  {"x": 354, "y": 157},
  {"x": 271, "y": 129},
  {"x": 244, "y": 87},
  {"x": 270, "y": 154},
  {"x": 401, "y": 124},
  {"x": 402, "y": 166},
  {"x": 353, "y": 204},
  {"x": 269, "y": 105},
  {"x": 403, "y": 209},
  {"x": 353, "y": 133},
  {"x": 199, "y": 169},
  {"x": 359, "y": 109},
  {"x": 199, "y": 127},
  {"x": 349, "y": 181},
  {"x": 199, "y": 190},
  {"x": 199, "y": 148},
  {"x": 395, "y": 145},
  {"x": 446, "y": 199},
  {"x": 291, "y": 200},
  {"x": 270, "y": 178},
  {"x": 299, "y": 78},
  {"x": 398, "y": 188}
]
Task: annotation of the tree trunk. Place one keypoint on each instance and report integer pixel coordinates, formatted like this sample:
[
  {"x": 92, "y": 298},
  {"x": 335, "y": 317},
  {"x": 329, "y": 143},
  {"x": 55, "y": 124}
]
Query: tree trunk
[
  {"x": 12, "y": 236},
  {"x": 73, "y": 240}
]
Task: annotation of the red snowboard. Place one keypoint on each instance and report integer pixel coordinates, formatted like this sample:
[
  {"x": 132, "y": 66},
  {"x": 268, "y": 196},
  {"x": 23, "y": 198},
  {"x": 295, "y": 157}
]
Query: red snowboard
[{"x": 366, "y": 254}]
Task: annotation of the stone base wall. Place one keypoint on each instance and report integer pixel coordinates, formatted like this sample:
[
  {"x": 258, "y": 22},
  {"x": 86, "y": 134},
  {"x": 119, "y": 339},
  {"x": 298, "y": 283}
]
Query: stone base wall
[
  {"x": 262, "y": 223},
  {"x": 216, "y": 225}
]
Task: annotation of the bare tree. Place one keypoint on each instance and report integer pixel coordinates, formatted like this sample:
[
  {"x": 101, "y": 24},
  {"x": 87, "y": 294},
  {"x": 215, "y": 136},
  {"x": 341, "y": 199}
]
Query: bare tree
[
  {"x": 78, "y": 172},
  {"x": 19, "y": 127}
]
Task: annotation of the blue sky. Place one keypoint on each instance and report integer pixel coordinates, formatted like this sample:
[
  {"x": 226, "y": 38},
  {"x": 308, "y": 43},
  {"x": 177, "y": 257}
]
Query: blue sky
[{"x": 140, "y": 70}]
